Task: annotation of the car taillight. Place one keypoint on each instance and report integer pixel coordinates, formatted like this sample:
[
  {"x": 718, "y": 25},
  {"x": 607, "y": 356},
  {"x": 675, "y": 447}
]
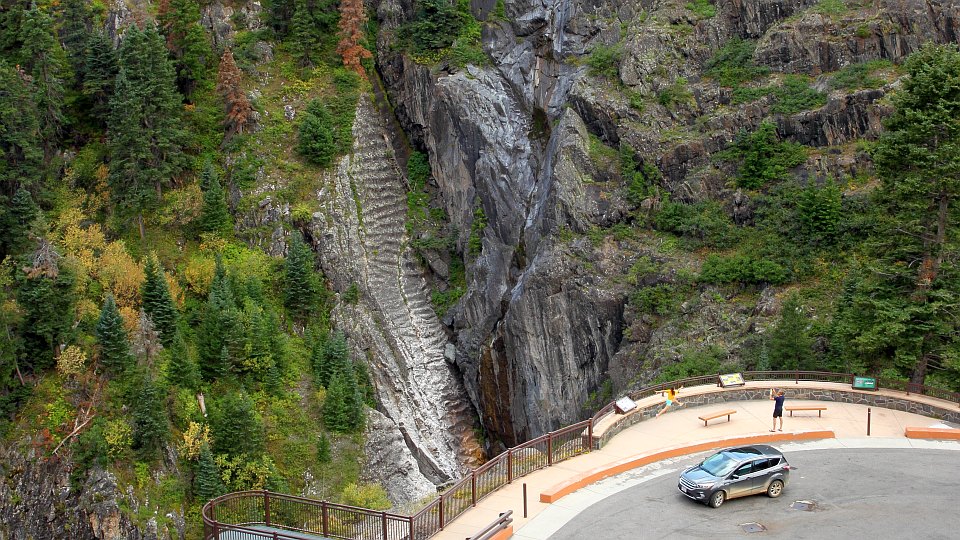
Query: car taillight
[{"x": 786, "y": 467}]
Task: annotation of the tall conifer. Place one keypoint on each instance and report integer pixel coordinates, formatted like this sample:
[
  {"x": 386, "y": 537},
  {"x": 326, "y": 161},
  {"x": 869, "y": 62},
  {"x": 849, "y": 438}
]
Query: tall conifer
[
  {"x": 182, "y": 370},
  {"x": 214, "y": 216},
  {"x": 157, "y": 302},
  {"x": 43, "y": 58},
  {"x": 150, "y": 426},
  {"x": 21, "y": 152},
  {"x": 100, "y": 73},
  {"x": 300, "y": 283},
  {"x": 145, "y": 134},
  {"x": 115, "y": 354},
  {"x": 206, "y": 482}
]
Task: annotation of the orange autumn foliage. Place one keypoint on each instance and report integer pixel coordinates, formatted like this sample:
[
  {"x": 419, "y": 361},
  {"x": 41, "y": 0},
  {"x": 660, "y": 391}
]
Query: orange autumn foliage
[{"x": 352, "y": 19}]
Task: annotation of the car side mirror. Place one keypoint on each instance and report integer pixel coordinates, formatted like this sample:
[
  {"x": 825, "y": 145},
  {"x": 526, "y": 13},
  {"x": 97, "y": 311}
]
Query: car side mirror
[{"x": 734, "y": 477}]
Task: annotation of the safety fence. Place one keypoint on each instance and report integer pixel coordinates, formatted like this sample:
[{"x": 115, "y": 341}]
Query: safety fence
[{"x": 259, "y": 514}]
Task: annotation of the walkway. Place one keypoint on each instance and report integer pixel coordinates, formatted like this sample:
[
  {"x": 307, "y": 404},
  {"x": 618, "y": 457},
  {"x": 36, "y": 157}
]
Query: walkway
[{"x": 681, "y": 427}]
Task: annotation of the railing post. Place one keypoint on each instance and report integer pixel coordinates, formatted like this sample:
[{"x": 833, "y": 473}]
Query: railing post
[
  {"x": 324, "y": 518},
  {"x": 798, "y": 377},
  {"x": 216, "y": 530},
  {"x": 473, "y": 487},
  {"x": 441, "y": 512},
  {"x": 509, "y": 465},
  {"x": 266, "y": 507},
  {"x": 590, "y": 436},
  {"x": 410, "y": 522},
  {"x": 383, "y": 517},
  {"x": 550, "y": 448}
]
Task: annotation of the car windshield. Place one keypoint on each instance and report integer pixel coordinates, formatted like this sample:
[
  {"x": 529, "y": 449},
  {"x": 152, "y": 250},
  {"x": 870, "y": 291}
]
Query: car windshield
[{"x": 719, "y": 464}]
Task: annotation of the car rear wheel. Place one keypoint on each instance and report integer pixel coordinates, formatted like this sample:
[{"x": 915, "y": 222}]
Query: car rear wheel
[
  {"x": 717, "y": 499},
  {"x": 775, "y": 489}
]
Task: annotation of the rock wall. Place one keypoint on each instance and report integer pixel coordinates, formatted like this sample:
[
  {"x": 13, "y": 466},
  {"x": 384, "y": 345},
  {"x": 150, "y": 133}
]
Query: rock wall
[
  {"x": 37, "y": 502},
  {"x": 361, "y": 239},
  {"x": 540, "y": 328}
]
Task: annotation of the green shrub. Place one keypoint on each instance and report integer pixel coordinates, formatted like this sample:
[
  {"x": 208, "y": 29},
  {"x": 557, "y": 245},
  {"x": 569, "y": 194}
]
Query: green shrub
[
  {"x": 705, "y": 223},
  {"x": 795, "y": 95},
  {"x": 475, "y": 243},
  {"x": 718, "y": 269},
  {"x": 831, "y": 7},
  {"x": 703, "y": 9},
  {"x": 675, "y": 94},
  {"x": 696, "y": 363},
  {"x": 856, "y": 76},
  {"x": 661, "y": 299},
  {"x": 315, "y": 137},
  {"x": 435, "y": 26},
  {"x": 764, "y": 158},
  {"x": 604, "y": 61},
  {"x": 747, "y": 94},
  {"x": 733, "y": 64}
]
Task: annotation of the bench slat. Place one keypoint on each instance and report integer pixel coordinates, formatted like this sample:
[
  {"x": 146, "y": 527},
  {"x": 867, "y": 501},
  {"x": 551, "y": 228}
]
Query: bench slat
[
  {"x": 818, "y": 408},
  {"x": 719, "y": 414}
]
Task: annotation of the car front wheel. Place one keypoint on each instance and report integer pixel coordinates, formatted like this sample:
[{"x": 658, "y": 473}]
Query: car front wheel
[
  {"x": 717, "y": 499},
  {"x": 775, "y": 489}
]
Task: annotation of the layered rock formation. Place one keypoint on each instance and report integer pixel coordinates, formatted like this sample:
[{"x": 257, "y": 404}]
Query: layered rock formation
[
  {"x": 361, "y": 238},
  {"x": 541, "y": 326}
]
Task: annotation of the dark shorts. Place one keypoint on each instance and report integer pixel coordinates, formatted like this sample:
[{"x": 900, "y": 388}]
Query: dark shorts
[{"x": 777, "y": 413}]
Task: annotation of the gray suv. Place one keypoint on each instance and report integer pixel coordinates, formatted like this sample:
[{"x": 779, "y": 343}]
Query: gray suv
[{"x": 736, "y": 472}]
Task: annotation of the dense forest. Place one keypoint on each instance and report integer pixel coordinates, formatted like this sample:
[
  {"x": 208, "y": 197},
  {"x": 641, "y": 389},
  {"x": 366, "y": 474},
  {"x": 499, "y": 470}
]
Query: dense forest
[
  {"x": 139, "y": 329},
  {"x": 147, "y": 328}
]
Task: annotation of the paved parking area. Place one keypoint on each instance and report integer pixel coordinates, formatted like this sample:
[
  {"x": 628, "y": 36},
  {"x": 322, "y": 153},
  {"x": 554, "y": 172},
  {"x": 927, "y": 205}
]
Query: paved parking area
[{"x": 854, "y": 488}]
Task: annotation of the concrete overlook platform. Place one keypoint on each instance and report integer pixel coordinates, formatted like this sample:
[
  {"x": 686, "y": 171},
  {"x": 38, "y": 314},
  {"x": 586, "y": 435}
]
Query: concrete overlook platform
[{"x": 680, "y": 432}]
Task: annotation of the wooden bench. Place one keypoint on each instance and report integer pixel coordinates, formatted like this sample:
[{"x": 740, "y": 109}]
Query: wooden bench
[
  {"x": 932, "y": 433},
  {"x": 717, "y": 414},
  {"x": 818, "y": 408}
]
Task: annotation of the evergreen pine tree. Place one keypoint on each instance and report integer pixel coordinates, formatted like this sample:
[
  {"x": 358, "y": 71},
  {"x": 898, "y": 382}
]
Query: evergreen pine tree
[
  {"x": 15, "y": 223},
  {"x": 235, "y": 426},
  {"x": 43, "y": 58},
  {"x": 237, "y": 105},
  {"x": 315, "y": 135},
  {"x": 214, "y": 216},
  {"x": 908, "y": 305},
  {"x": 157, "y": 302},
  {"x": 115, "y": 354},
  {"x": 186, "y": 40},
  {"x": 74, "y": 32},
  {"x": 100, "y": 73},
  {"x": 46, "y": 294},
  {"x": 790, "y": 346},
  {"x": 304, "y": 39},
  {"x": 206, "y": 482},
  {"x": 336, "y": 357},
  {"x": 182, "y": 370},
  {"x": 21, "y": 153},
  {"x": 300, "y": 285},
  {"x": 145, "y": 135},
  {"x": 323, "y": 449},
  {"x": 343, "y": 407},
  {"x": 220, "y": 338},
  {"x": 150, "y": 427}
]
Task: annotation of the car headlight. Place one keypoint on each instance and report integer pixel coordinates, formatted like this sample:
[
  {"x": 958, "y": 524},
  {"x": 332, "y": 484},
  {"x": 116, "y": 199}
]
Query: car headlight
[{"x": 706, "y": 485}]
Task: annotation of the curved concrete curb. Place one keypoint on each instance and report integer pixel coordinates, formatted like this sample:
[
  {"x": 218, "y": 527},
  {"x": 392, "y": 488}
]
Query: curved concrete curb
[
  {"x": 562, "y": 489},
  {"x": 943, "y": 434}
]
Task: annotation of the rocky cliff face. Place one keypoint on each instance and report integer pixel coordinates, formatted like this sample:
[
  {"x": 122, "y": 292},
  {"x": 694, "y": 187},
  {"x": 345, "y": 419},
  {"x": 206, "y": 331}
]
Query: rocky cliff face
[
  {"x": 541, "y": 326},
  {"x": 37, "y": 501},
  {"x": 362, "y": 242}
]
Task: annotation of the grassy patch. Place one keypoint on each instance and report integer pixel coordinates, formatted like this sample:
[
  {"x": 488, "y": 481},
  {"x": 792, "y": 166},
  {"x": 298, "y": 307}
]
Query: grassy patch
[
  {"x": 733, "y": 64},
  {"x": 604, "y": 61},
  {"x": 863, "y": 75},
  {"x": 703, "y": 9},
  {"x": 795, "y": 94}
]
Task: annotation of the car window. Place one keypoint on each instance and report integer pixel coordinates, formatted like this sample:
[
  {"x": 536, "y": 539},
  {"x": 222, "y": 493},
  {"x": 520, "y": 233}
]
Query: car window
[
  {"x": 719, "y": 464},
  {"x": 764, "y": 464},
  {"x": 744, "y": 469}
]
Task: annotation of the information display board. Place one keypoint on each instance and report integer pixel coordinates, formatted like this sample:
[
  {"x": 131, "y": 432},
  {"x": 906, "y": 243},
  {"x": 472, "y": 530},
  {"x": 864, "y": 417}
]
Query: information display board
[
  {"x": 624, "y": 405},
  {"x": 728, "y": 380},
  {"x": 864, "y": 383}
]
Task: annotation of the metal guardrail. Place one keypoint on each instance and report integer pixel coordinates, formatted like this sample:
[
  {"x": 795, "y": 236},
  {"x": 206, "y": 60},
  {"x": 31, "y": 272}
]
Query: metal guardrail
[
  {"x": 241, "y": 513},
  {"x": 501, "y": 523}
]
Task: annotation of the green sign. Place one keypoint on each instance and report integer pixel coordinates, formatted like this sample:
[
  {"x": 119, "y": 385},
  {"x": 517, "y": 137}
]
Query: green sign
[{"x": 864, "y": 383}]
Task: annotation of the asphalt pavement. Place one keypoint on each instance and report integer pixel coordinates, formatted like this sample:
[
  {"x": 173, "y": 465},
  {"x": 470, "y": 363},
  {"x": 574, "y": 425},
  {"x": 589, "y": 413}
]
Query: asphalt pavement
[{"x": 842, "y": 493}]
